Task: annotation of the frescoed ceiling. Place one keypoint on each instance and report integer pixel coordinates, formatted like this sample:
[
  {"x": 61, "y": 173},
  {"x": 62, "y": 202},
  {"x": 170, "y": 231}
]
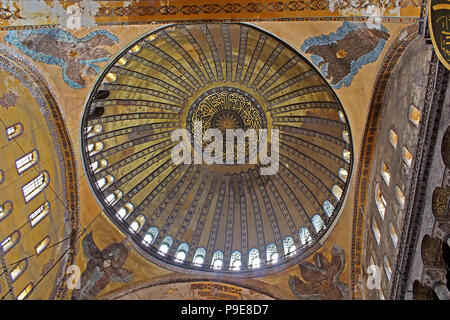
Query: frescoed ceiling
[{"x": 339, "y": 47}]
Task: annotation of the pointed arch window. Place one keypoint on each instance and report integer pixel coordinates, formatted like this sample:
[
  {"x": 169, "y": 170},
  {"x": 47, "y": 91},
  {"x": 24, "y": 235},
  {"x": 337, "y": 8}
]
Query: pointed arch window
[
  {"x": 253, "y": 258},
  {"x": 35, "y": 186},
  {"x": 288, "y": 245},
  {"x": 304, "y": 236},
  {"x": 236, "y": 260},
  {"x": 27, "y": 161},
  {"x": 272, "y": 253},
  {"x": 199, "y": 256},
  {"x": 346, "y": 155}
]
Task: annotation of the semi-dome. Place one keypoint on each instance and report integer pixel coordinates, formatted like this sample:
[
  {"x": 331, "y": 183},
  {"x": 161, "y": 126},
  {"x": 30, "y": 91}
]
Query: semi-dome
[{"x": 226, "y": 218}]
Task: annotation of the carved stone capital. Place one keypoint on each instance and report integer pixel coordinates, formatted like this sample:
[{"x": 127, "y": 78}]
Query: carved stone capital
[
  {"x": 441, "y": 230},
  {"x": 433, "y": 276}
]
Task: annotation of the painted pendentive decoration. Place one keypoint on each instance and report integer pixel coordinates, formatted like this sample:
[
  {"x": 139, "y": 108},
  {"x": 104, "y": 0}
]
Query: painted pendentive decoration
[
  {"x": 439, "y": 25},
  {"x": 321, "y": 279},
  {"x": 341, "y": 54},
  {"x": 77, "y": 57},
  {"x": 102, "y": 267}
]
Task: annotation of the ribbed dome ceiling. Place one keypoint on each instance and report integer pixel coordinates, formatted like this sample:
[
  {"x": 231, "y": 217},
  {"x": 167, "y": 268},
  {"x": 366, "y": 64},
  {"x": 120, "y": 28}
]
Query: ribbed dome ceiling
[{"x": 216, "y": 218}]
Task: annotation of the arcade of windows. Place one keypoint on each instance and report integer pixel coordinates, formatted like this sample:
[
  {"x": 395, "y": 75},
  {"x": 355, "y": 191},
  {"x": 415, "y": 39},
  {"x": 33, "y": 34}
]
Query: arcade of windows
[
  {"x": 414, "y": 116},
  {"x": 30, "y": 190}
]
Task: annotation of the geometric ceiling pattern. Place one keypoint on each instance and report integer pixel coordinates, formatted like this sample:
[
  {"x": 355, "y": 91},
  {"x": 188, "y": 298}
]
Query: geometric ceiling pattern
[{"x": 217, "y": 218}]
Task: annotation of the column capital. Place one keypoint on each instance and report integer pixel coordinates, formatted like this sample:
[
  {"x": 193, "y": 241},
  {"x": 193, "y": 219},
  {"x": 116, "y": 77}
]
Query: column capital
[
  {"x": 433, "y": 276},
  {"x": 441, "y": 230}
]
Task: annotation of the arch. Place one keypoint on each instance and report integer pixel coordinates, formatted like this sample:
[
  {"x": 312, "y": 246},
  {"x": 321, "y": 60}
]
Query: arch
[
  {"x": 35, "y": 186},
  {"x": 288, "y": 245},
  {"x": 105, "y": 182},
  {"x": 328, "y": 208},
  {"x": 199, "y": 256},
  {"x": 27, "y": 161},
  {"x": 337, "y": 192},
  {"x": 254, "y": 261},
  {"x": 393, "y": 138},
  {"x": 182, "y": 251},
  {"x": 112, "y": 198},
  {"x": 387, "y": 268},
  {"x": 125, "y": 211},
  {"x": 236, "y": 260},
  {"x": 94, "y": 148},
  {"x": 165, "y": 245},
  {"x": 380, "y": 201},
  {"x": 150, "y": 236},
  {"x": 99, "y": 165},
  {"x": 385, "y": 173},
  {"x": 42, "y": 245},
  {"x": 217, "y": 260},
  {"x": 14, "y": 131},
  {"x": 317, "y": 223},
  {"x": 10, "y": 241},
  {"x": 346, "y": 136},
  {"x": 137, "y": 224},
  {"x": 393, "y": 234},
  {"x": 343, "y": 174},
  {"x": 376, "y": 231},
  {"x": 272, "y": 253},
  {"x": 341, "y": 116},
  {"x": 18, "y": 270},
  {"x": 26, "y": 292},
  {"x": 94, "y": 130},
  {"x": 346, "y": 155},
  {"x": 304, "y": 236},
  {"x": 414, "y": 115},
  {"x": 400, "y": 197},
  {"x": 407, "y": 156},
  {"x": 5, "y": 209}
]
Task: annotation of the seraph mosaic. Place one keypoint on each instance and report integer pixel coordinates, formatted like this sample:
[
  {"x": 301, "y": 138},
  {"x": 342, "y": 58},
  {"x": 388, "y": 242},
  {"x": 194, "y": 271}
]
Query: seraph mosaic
[
  {"x": 77, "y": 57},
  {"x": 103, "y": 266},
  {"x": 341, "y": 54}
]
